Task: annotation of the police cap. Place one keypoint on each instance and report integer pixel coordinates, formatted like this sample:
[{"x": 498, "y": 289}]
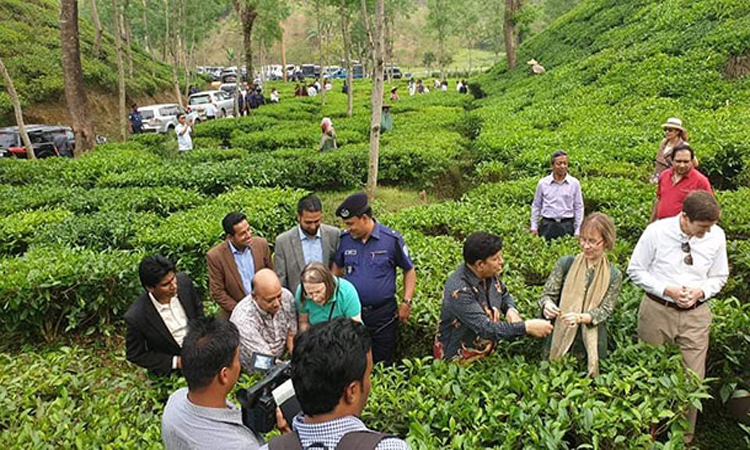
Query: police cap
[{"x": 354, "y": 205}]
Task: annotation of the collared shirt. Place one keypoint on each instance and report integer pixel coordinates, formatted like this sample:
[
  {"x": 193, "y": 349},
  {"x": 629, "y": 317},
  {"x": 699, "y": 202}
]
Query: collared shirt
[
  {"x": 558, "y": 200},
  {"x": 187, "y": 426},
  {"x": 174, "y": 317},
  {"x": 245, "y": 266},
  {"x": 343, "y": 303},
  {"x": 672, "y": 195},
  {"x": 371, "y": 266},
  {"x": 184, "y": 141},
  {"x": 463, "y": 316},
  {"x": 658, "y": 260},
  {"x": 312, "y": 247},
  {"x": 330, "y": 433},
  {"x": 261, "y": 332}
]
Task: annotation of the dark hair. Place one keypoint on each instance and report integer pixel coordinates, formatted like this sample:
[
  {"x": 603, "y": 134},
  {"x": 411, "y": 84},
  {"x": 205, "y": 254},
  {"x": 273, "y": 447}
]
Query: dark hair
[
  {"x": 230, "y": 220},
  {"x": 556, "y": 154},
  {"x": 701, "y": 205},
  {"x": 180, "y": 115},
  {"x": 309, "y": 203},
  {"x": 683, "y": 147},
  {"x": 327, "y": 357},
  {"x": 209, "y": 346},
  {"x": 367, "y": 212},
  {"x": 153, "y": 269},
  {"x": 480, "y": 246}
]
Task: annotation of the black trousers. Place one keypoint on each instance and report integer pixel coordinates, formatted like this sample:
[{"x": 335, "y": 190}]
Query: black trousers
[
  {"x": 382, "y": 322},
  {"x": 552, "y": 229}
]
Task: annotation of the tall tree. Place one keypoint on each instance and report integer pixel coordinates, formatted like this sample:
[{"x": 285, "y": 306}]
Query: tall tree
[
  {"x": 120, "y": 73},
  {"x": 97, "y": 28},
  {"x": 441, "y": 22},
  {"x": 344, "y": 12},
  {"x": 510, "y": 31},
  {"x": 376, "y": 96},
  {"x": 75, "y": 94},
  {"x": 17, "y": 109},
  {"x": 247, "y": 10}
]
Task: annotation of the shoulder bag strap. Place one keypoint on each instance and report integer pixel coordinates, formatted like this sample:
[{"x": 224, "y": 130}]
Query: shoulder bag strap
[{"x": 362, "y": 440}]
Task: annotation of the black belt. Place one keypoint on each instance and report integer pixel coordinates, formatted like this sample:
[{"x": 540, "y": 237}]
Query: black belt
[
  {"x": 372, "y": 308},
  {"x": 674, "y": 305},
  {"x": 561, "y": 220}
]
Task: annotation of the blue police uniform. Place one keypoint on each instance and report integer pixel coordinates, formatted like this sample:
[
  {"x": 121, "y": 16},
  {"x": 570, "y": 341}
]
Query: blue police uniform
[{"x": 371, "y": 268}]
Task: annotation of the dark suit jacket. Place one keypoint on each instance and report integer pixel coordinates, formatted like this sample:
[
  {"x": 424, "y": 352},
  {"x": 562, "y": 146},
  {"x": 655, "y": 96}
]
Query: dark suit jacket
[
  {"x": 224, "y": 281},
  {"x": 290, "y": 260},
  {"x": 148, "y": 342}
]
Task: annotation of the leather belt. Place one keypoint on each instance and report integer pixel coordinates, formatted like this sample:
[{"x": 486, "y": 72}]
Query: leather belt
[
  {"x": 560, "y": 220},
  {"x": 674, "y": 305}
]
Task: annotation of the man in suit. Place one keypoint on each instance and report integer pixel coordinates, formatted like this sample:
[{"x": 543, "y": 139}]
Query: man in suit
[
  {"x": 310, "y": 241},
  {"x": 157, "y": 321},
  {"x": 233, "y": 263}
]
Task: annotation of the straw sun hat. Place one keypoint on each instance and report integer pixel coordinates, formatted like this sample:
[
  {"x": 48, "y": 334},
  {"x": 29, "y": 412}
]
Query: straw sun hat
[{"x": 673, "y": 122}]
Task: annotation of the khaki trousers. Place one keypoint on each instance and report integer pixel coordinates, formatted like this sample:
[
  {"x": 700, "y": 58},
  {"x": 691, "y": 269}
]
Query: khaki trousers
[{"x": 688, "y": 330}]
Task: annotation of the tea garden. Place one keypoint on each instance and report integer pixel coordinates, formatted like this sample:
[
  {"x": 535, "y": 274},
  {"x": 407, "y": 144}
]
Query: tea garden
[{"x": 73, "y": 231}]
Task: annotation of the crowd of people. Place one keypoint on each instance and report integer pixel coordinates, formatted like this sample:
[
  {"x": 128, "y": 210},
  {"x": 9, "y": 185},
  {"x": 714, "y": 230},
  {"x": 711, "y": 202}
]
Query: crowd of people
[{"x": 327, "y": 299}]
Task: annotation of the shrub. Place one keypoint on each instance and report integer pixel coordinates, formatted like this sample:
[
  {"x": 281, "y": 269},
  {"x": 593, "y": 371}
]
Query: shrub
[{"x": 17, "y": 229}]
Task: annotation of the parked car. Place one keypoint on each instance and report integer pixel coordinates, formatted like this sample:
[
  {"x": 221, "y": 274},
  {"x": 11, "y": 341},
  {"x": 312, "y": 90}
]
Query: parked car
[
  {"x": 310, "y": 70},
  {"x": 163, "y": 118},
  {"x": 330, "y": 71},
  {"x": 223, "y": 101},
  {"x": 357, "y": 72},
  {"x": 394, "y": 71},
  {"x": 41, "y": 136},
  {"x": 230, "y": 88}
]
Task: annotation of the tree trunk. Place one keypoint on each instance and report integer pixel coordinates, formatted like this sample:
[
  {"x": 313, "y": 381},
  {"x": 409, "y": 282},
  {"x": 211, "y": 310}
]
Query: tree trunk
[
  {"x": 149, "y": 48},
  {"x": 166, "y": 30},
  {"x": 17, "y": 109},
  {"x": 120, "y": 73},
  {"x": 175, "y": 82},
  {"x": 376, "y": 99},
  {"x": 442, "y": 59},
  {"x": 347, "y": 58},
  {"x": 283, "y": 54},
  {"x": 128, "y": 44},
  {"x": 321, "y": 77},
  {"x": 247, "y": 14},
  {"x": 75, "y": 94},
  {"x": 97, "y": 27},
  {"x": 509, "y": 31}
]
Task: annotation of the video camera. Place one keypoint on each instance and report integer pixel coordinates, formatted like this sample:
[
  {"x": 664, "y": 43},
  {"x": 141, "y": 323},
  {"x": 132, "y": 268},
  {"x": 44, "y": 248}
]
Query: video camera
[{"x": 260, "y": 401}]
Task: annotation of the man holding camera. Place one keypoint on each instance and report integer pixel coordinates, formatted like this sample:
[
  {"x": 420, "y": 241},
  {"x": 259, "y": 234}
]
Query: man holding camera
[
  {"x": 331, "y": 367},
  {"x": 199, "y": 416}
]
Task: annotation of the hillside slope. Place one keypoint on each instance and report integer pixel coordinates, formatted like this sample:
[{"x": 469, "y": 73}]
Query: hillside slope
[
  {"x": 616, "y": 70},
  {"x": 30, "y": 47}
]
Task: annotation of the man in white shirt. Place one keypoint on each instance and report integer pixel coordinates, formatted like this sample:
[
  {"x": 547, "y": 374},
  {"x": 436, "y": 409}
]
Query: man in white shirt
[
  {"x": 157, "y": 321},
  {"x": 681, "y": 262},
  {"x": 184, "y": 129}
]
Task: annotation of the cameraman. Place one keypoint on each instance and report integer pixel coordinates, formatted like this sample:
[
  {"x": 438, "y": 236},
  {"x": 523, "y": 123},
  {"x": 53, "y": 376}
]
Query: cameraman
[
  {"x": 199, "y": 416},
  {"x": 331, "y": 367}
]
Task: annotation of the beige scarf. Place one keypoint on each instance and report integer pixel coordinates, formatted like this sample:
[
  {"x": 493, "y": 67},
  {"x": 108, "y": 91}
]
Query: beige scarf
[{"x": 575, "y": 298}]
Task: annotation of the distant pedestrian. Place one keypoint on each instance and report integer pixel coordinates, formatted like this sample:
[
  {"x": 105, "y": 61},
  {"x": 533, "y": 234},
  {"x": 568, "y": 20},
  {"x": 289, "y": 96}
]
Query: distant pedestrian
[
  {"x": 459, "y": 85},
  {"x": 557, "y": 201},
  {"x": 62, "y": 145},
  {"x": 386, "y": 121},
  {"x": 444, "y": 86},
  {"x": 674, "y": 136},
  {"x": 299, "y": 91},
  {"x": 677, "y": 182},
  {"x": 184, "y": 130},
  {"x": 536, "y": 68},
  {"x": 464, "y": 88},
  {"x": 136, "y": 120},
  {"x": 312, "y": 91},
  {"x": 274, "y": 95},
  {"x": 345, "y": 88},
  {"x": 412, "y": 88},
  {"x": 210, "y": 110},
  {"x": 328, "y": 136},
  {"x": 420, "y": 87},
  {"x": 240, "y": 103},
  {"x": 394, "y": 94}
]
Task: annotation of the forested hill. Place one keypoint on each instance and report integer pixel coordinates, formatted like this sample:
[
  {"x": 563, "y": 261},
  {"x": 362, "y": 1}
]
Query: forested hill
[
  {"x": 30, "y": 48},
  {"x": 616, "y": 70}
]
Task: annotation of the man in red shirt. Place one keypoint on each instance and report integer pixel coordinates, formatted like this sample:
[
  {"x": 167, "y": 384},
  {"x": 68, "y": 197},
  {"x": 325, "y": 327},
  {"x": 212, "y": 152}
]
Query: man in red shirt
[{"x": 677, "y": 182}]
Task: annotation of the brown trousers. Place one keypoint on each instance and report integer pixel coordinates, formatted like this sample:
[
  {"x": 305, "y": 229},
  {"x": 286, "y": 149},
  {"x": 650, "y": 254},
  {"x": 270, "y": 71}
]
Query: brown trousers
[{"x": 688, "y": 330}]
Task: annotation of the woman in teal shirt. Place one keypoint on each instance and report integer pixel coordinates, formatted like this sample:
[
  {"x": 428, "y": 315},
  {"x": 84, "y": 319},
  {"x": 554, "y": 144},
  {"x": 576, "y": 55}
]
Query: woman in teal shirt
[{"x": 321, "y": 297}]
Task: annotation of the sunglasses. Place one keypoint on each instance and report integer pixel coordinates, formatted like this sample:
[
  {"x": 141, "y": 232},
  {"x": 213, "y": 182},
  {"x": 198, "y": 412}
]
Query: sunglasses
[{"x": 686, "y": 249}]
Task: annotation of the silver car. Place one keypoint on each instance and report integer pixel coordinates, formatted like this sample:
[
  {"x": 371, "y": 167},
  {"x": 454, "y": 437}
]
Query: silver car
[
  {"x": 163, "y": 118},
  {"x": 222, "y": 101}
]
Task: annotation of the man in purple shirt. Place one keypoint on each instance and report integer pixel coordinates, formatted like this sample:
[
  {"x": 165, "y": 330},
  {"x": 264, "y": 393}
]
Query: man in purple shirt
[{"x": 558, "y": 201}]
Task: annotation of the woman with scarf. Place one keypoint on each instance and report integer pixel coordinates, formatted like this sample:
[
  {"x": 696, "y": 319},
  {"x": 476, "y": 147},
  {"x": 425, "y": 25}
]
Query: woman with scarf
[{"x": 581, "y": 293}]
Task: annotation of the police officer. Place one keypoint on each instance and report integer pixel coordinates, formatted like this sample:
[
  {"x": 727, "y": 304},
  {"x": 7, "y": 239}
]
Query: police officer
[{"x": 368, "y": 255}]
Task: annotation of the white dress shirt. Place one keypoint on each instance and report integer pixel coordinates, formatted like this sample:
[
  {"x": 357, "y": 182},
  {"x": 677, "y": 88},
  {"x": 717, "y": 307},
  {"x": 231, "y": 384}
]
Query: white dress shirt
[
  {"x": 658, "y": 260},
  {"x": 174, "y": 317}
]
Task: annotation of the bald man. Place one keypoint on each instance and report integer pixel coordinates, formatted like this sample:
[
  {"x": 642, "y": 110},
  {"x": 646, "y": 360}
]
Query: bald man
[{"x": 266, "y": 319}]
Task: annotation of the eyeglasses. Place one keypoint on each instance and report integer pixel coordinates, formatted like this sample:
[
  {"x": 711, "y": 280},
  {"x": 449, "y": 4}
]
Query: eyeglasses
[
  {"x": 589, "y": 242},
  {"x": 689, "y": 257}
]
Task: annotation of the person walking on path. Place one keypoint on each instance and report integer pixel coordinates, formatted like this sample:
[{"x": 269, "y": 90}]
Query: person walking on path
[
  {"x": 558, "y": 201},
  {"x": 674, "y": 136},
  {"x": 677, "y": 182},
  {"x": 681, "y": 262}
]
